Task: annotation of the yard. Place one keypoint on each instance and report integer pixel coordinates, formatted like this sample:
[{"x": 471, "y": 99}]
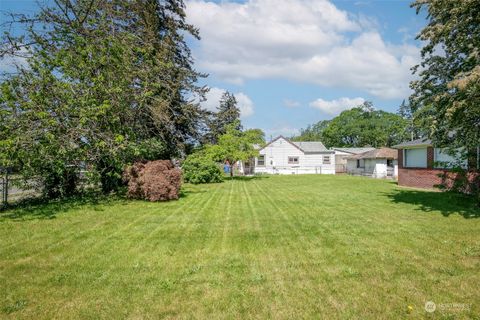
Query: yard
[{"x": 282, "y": 247}]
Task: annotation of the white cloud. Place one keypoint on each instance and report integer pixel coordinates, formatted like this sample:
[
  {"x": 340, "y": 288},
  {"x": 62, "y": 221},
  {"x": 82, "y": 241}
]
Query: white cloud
[
  {"x": 303, "y": 40},
  {"x": 289, "y": 103},
  {"x": 212, "y": 98},
  {"x": 336, "y": 106},
  {"x": 244, "y": 103}
]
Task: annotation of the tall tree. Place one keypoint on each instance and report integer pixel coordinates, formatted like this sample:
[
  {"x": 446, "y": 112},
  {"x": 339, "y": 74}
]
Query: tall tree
[
  {"x": 360, "y": 126},
  {"x": 312, "y": 132},
  {"x": 106, "y": 83},
  {"x": 227, "y": 114},
  {"x": 405, "y": 111},
  {"x": 446, "y": 95}
]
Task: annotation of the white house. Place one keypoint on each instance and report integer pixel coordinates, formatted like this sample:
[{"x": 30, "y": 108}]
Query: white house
[
  {"x": 377, "y": 163},
  {"x": 282, "y": 156},
  {"x": 341, "y": 155}
]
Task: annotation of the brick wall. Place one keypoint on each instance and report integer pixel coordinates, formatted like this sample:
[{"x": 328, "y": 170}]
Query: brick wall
[
  {"x": 419, "y": 178},
  {"x": 424, "y": 177}
]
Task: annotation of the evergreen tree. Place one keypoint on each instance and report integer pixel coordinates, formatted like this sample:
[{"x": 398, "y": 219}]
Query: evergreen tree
[
  {"x": 405, "y": 111},
  {"x": 227, "y": 114}
]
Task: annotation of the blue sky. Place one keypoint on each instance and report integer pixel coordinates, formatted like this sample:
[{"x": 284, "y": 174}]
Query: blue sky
[{"x": 295, "y": 62}]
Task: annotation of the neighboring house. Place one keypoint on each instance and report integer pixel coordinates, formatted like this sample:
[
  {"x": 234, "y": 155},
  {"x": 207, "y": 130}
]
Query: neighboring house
[
  {"x": 376, "y": 163},
  {"x": 420, "y": 164},
  {"x": 341, "y": 155},
  {"x": 282, "y": 156}
]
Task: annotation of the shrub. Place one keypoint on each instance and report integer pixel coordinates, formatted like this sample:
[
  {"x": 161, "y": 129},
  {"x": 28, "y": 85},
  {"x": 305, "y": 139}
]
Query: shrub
[
  {"x": 461, "y": 181},
  {"x": 153, "y": 181},
  {"x": 198, "y": 170}
]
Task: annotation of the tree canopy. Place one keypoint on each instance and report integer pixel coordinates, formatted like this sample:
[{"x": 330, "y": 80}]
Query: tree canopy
[
  {"x": 313, "y": 132},
  {"x": 235, "y": 144},
  {"x": 358, "y": 127},
  {"x": 446, "y": 96}
]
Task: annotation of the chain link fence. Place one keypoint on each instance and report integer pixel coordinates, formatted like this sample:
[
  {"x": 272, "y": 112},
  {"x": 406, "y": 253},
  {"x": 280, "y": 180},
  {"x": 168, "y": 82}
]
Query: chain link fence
[{"x": 13, "y": 189}]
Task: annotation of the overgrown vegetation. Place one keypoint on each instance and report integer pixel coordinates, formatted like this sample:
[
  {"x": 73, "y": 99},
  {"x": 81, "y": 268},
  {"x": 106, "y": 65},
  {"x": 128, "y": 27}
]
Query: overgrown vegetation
[
  {"x": 198, "y": 169},
  {"x": 106, "y": 83}
]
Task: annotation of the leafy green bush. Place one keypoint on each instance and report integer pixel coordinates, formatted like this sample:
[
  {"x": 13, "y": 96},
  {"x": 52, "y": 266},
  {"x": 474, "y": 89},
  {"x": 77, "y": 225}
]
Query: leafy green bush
[{"x": 200, "y": 170}]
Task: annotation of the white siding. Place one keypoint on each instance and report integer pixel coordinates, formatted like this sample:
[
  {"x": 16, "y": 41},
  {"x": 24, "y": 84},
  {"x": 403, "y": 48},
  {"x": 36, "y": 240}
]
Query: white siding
[
  {"x": 375, "y": 168},
  {"x": 415, "y": 158},
  {"x": 276, "y": 160}
]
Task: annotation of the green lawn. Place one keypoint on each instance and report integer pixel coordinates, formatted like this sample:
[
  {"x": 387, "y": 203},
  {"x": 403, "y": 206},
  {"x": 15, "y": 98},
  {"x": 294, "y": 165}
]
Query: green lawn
[{"x": 282, "y": 247}]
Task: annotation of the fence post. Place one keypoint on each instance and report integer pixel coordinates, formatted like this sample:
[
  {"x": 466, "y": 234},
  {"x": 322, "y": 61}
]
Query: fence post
[
  {"x": 3, "y": 202},
  {"x": 5, "y": 187}
]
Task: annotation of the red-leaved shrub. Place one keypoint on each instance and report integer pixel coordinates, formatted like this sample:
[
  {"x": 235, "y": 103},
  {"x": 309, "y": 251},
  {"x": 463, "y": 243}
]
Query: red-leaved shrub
[{"x": 153, "y": 181}]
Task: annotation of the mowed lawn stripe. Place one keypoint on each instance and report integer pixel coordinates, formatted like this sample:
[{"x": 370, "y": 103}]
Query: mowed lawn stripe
[{"x": 267, "y": 247}]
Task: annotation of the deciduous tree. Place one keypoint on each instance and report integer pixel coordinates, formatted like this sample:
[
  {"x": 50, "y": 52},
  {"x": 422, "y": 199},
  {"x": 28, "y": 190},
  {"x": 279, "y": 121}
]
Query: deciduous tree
[
  {"x": 447, "y": 94},
  {"x": 106, "y": 83}
]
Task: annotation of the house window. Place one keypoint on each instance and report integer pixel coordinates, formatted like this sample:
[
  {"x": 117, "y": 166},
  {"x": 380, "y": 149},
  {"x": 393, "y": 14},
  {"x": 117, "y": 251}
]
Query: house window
[
  {"x": 326, "y": 159},
  {"x": 292, "y": 160},
  {"x": 360, "y": 163},
  {"x": 261, "y": 160},
  {"x": 389, "y": 162},
  {"x": 415, "y": 158}
]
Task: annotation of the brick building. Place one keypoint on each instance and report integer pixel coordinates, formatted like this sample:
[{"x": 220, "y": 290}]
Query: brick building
[{"x": 420, "y": 164}]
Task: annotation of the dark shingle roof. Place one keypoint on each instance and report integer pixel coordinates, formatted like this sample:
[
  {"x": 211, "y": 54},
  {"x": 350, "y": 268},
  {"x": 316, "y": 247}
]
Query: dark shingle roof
[{"x": 414, "y": 143}]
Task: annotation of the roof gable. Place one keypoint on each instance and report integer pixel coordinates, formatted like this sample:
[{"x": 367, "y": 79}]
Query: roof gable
[
  {"x": 278, "y": 138},
  {"x": 303, "y": 146}
]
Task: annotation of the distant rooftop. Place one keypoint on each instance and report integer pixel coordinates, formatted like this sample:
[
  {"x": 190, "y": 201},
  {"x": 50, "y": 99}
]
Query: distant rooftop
[
  {"x": 354, "y": 150},
  {"x": 414, "y": 143},
  {"x": 382, "y": 153}
]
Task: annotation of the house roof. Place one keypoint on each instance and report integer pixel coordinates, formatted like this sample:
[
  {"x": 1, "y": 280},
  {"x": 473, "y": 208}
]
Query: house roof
[
  {"x": 354, "y": 150},
  {"x": 382, "y": 153},
  {"x": 414, "y": 143},
  {"x": 310, "y": 146},
  {"x": 304, "y": 146}
]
